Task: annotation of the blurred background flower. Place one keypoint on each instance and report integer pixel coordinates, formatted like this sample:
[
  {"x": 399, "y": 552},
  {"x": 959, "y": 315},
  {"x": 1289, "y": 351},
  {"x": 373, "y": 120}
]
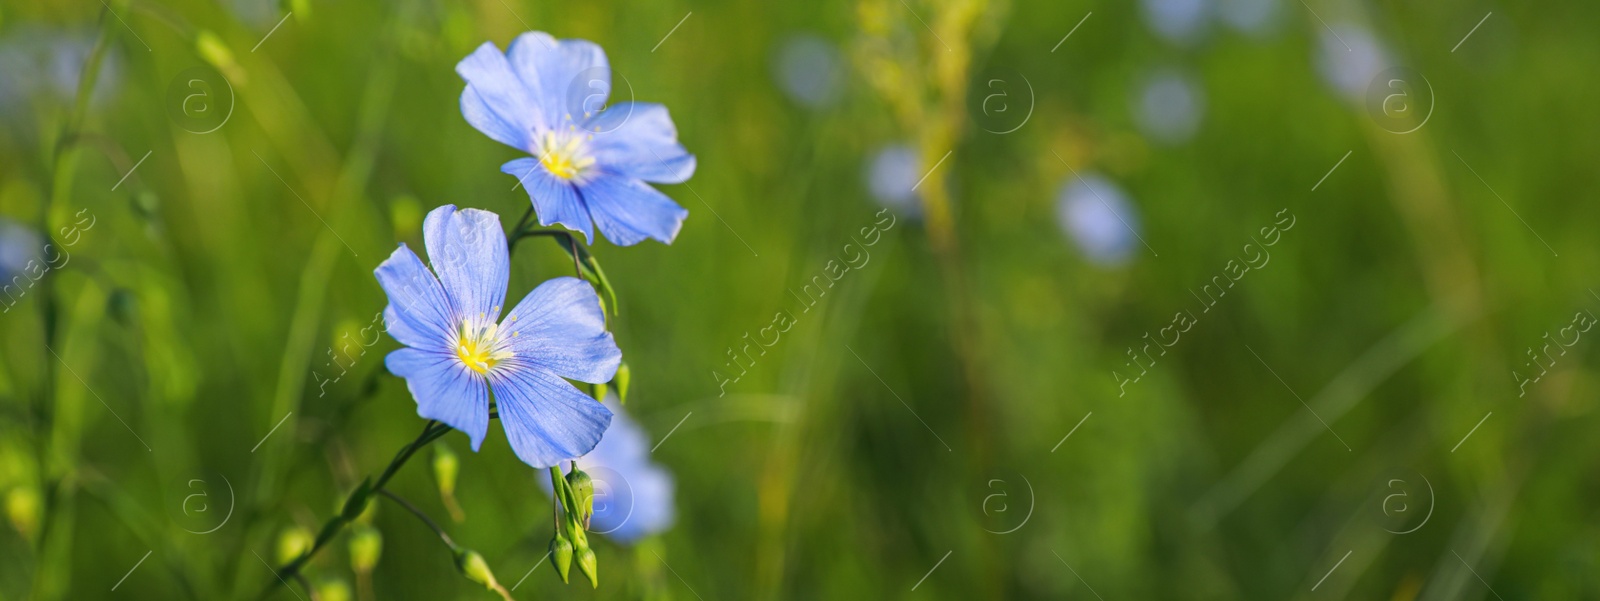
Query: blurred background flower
[
  {"x": 1097, "y": 217},
  {"x": 1252, "y": 17},
  {"x": 1177, "y": 21},
  {"x": 891, "y": 175},
  {"x": 808, "y": 70},
  {"x": 18, "y": 245},
  {"x": 1170, "y": 106},
  {"x": 43, "y": 64},
  {"x": 1348, "y": 57},
  {"x": 633, "y": 495},
  {"x": 997, "y": 317},
  {"x": 256, "y": 13}
]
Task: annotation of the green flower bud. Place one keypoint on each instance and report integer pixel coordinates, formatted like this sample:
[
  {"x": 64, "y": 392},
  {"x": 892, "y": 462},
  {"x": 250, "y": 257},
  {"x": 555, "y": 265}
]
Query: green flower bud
[
  {"x": 147, "y": 204},
  {"x": 582, "y": 494},
  {"x": 22, "y": 508},
  {"x": 301, "y": 9},
  {"x": 333, "y": 589},
  {"x": 589, "y": 565},
  {"x": 621, "y": 380},
  {"x": 294, "y": 542},
  {"x": 445, "y": 468},
  {"x": 598, "y": 391},
  {"x": 477, "y": 570},
  {"x": 561, "y": 555},
  {"x": 366, "y": 545}
]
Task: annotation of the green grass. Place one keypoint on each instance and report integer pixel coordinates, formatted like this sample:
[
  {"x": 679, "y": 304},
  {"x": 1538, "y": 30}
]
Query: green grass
[{"x": 868, "y": 445}]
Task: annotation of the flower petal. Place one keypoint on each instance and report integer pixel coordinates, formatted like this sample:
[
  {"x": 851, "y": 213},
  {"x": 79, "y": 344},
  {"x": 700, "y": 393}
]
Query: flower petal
[
  {"x": 627, "y": 210},
  {"x": 419, "y": 312},
  {"x": 559, "y": 328},
  {"x": 445, "y": 390},
  {"x": 554, "y": 199},
  {"x": 468, "y": 250},
  {"x": 546, "y": 419},
  {"x": 400, "y": 329},
  {"x": 498, "y": 91},
  {"x": 485, "y": 119},
  {"x": 638, "y": 140},
  {"x": 567, "y": 77}
]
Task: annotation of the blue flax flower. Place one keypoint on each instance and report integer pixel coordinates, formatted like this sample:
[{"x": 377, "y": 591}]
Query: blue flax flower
[
  {"x": 590, "y": 163},
  {"x": 632, "y": 496},
  {"x": 457, "y": 349}
]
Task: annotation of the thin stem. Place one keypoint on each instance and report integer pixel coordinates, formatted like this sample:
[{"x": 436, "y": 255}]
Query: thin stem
[
  {"x": 563, "y": 493},
  {"x": 421, "y": 516},
  {"x": 306, "y": 584},
  {"x": 522, "y": 223},
  {"x": 571, "y": 245},
  {"x": 430, "y": 432},
  {"x": 63, "y": 164}
]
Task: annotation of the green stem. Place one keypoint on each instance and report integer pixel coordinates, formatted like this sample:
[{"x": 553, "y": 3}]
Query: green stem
[
  {"x": 571, "y": 245},
  {"x": 53, "y": 481},
  {"x": 430, "y": 432},
  {"x": 421, "y": 516},
  {"x": 521, "y": 224},
  {"x": 568, "y": 502},
  {"x": 560, "y": 484},
  {"x": 306, "y": 584}
]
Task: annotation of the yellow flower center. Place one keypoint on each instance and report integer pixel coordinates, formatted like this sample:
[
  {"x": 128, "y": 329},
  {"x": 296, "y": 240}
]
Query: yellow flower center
[
  {"x": 481, "y": 347},
  {"x": 564, "y": 154}
]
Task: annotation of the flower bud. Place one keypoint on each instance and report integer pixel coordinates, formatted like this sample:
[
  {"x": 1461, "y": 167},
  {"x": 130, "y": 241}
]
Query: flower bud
[
  {"x": 621, "y": 380},
  {"x": 333, "y": 589},
  {"x": 293, "y": 543},
  {"x": 474, "y": 567},
  {"x": 589, "y": 565},
  {"x": 477, "y": 570},
  {"x": 366, "y": 545},
  {"x": 582, "y": 494},
  {"x": 445, "y": 468},
  {"x": 561, "y": 555},
  {"x": 301, "y": 9},
  {"x": 598, "y": 391},
  {"x": 22, "y": 508}
]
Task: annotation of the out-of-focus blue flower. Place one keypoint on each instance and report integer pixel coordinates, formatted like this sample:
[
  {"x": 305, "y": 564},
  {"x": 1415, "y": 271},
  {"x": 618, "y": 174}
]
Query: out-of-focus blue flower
[
  {"x": 1349, "y": 57},
  {"x": 1097, "y": 216},
  {"x": 46, "y": 64},
  {"x": 632, "y": 496},
  {"x": 18, "y": 245},
  {"x": 892, "y": 174},
  {"x": 590, "y": 163},
  {"x": 1170, "y": 105},
  {"x": 256, "y": 13},
  {"x": 457, "y": 348},
  {"x": 807, "y": 69},
  {"x": 1254, "y": 17},
  {"x": 1177, "y": 21}
]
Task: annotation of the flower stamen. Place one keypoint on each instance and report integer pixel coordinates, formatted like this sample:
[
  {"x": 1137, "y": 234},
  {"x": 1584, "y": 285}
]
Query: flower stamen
[
  {"x": 481, "y": 348},
  {"x": 564, "y": 155}
]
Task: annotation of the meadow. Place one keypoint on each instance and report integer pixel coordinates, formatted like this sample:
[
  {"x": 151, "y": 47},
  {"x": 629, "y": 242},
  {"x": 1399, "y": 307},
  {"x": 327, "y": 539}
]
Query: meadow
[{"x": 974, "y": 299}]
